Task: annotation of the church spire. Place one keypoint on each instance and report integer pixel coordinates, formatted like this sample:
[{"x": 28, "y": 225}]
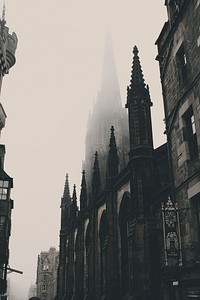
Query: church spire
[
  {"x": 138, "y": 104},
  {"x": 66, "y": 193},
  {"x": 107, "y": 111},
  {"x": 96, "y": 176},
  {"x": 109, "y": 90},
  {"x": 113, "y": 159},
  {"x": 137, "y": 80},
  {"x": 137, "y": 84},
  {"x": 74, "y": 203},
  {"x": 4, "y": 11},
  {"x": 74, "y": 197},
  {"x": 83, "y": 195},
  {"x": 65, "y": 202}
]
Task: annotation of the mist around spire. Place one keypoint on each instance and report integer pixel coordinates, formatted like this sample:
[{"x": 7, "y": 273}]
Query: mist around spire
[
  {"x": 107, "y": 111},
  {"x": 83, "y": 195},
  {"x": 109, "y": 88},
  {"x": 4, "y": 11},
  {"x": 96, "y": 176},
  {"x": 113, "y": 159}
]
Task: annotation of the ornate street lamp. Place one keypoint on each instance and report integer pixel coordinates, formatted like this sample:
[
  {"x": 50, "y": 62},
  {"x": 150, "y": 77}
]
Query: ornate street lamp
[
  {"x": 171, "y": 234},
  {"x": 6, "y": 205}
]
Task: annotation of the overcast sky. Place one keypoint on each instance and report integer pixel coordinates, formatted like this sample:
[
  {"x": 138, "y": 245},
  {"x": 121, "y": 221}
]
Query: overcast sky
[{"x": 47, "y": 97}]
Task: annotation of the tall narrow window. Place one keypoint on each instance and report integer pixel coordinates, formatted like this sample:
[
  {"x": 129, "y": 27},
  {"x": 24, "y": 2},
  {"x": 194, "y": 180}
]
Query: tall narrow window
[
  {"x": 78, "y": 258},
  {"x": 87, "y": 274},
  {"x": 198, "y": 214},
  {"x": 103, "y": 235},
  {"x": 191, "y": 135},
  {"x": 126, "y": 245},
  {"x": 196, "y": 203},
  {"x": 182, "y": 65}
]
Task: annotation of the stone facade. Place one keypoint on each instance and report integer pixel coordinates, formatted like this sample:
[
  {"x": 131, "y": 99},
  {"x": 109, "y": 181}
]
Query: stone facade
[
  {"x": 109, "y": 249},
  {"x": 179, "y": 60},
  {"x": 137, "y": 237}
]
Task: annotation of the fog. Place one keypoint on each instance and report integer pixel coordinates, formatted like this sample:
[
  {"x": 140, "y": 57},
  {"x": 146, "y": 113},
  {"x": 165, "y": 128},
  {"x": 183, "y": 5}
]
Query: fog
[{"x": 47, "y": 97}]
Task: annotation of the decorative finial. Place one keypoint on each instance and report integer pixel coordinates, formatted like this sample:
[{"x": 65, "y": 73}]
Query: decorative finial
[
  {"x": 83, "y": 195},
  {"x": 66, "y": 193},
  {"x": 74, "y": 198},
  {"x": 83, "y": 183},
  {"x": 113, "y": 159},
  {"x": 135, "y": 50},
  {"x": 96, "y": 176},
  {"x": 137, "y": 80},
  {"x": 96, "y": 156},
  {"x": 4, "y": 11}
]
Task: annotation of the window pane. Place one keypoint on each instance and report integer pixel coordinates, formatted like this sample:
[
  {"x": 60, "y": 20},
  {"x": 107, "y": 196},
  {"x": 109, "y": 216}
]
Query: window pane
[
  {"x": 1, "y": 183},
  {"x": 182, "y": 65},
  {"x": 191, "y": 133},
  {"x": 193, "y": 124},
  {"x": 5, "y": 191},
  {"x": 2, "y": 220},
  {"x": 5, "y": 184}
]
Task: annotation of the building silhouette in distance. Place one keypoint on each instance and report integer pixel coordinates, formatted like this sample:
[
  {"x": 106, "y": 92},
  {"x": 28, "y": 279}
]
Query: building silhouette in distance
[
  {"x": 137, "y": 232},
  {"x": 46, "y": 283},
  {"x": 8, "y": 45}
]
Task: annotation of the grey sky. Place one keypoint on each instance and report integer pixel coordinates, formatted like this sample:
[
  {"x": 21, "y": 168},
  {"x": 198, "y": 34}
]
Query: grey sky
[{"x": 47, "y": 97}]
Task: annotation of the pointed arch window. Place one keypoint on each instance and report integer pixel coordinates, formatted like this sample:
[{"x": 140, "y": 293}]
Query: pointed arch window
[
  {"x": 78, "y": 266},
  {"x": 104, "y": 237},
  {"x": 46, "y": 264},
  {"x": 127, "y": 225},
  {"x": 87, "y": 258}
]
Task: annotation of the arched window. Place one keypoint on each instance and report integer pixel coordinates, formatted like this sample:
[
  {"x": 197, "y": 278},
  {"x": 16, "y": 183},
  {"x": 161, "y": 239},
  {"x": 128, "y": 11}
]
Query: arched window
[
  {"x": 126, "y": 224},
  {"x": 78, "y": 259},
  {"x": 46, "y": 264},
  {"x": 87, "y": 258},
  {"x": 103, "y": 235}
]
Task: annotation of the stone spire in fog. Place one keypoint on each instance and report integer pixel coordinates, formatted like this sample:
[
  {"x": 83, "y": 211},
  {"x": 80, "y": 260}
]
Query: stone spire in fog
[
  {"x": 109, "y": 89},
  {"x": 107, "y": 112},
  {"x": 66, "y": 194},
  {"x": 4, "y": 11}
]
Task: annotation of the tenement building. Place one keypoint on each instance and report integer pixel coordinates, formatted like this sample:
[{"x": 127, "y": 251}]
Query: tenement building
[
  {"x": 179, "y": 60},
  {"x": 8, "y": 45},
  {"x": 136, "y": 234},
  {"x": 46, "y": 282}
]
